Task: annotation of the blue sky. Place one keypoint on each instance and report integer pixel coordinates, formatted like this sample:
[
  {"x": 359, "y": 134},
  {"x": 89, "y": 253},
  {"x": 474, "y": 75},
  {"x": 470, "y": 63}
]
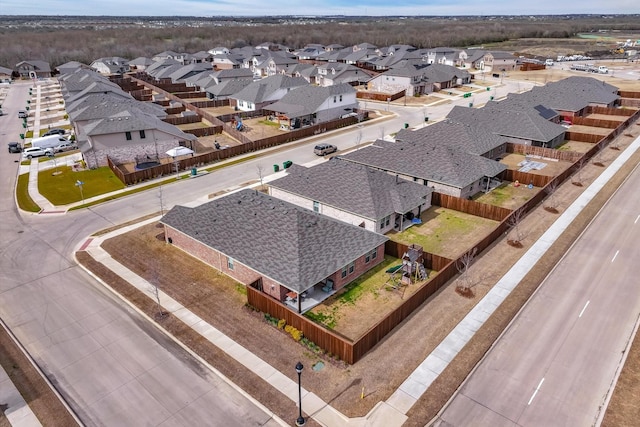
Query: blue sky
[{"x": 317, "y": 7}]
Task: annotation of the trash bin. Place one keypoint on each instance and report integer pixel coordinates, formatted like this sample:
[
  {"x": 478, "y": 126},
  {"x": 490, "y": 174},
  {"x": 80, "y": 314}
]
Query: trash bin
[
  {"x": 491, "y": 98},
  {"x": 276, "y": 168},
  {"x": 470, "y": 104},
  {"x": 406, "y": 125},
  {"x": 426, "y": 119},
  {"x": 194, "y": 171},
  {"x": 287, "y": 164},
  {"x": 22, "y": 136},
  {"x": 488, "y": 89}
]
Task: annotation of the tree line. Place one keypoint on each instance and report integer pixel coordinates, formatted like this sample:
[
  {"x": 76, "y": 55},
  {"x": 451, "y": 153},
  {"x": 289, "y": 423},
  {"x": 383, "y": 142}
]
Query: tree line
[{"x": 58, "y": 44}]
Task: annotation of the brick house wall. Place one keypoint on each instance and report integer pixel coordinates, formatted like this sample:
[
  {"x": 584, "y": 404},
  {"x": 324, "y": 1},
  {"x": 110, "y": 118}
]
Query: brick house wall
[{"x": 246, "y": 275}]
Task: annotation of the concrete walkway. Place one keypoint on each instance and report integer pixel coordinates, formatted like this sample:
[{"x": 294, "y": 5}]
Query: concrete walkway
[
  {"x": 18, "y": 413},
  {"x": 393, "y": 411}
]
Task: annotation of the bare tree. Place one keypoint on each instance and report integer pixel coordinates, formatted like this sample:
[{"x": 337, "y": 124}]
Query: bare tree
[
  {"x": 578, "y": 181},
  {"x": 466, "y": 280},
  {"x": 260, "y": 169},
  {"x": 551, "y": 204},
  {"x": 161, "y": 199},
  {"x": 517, "y": 233},
  {"x": 359, "y": 136}
]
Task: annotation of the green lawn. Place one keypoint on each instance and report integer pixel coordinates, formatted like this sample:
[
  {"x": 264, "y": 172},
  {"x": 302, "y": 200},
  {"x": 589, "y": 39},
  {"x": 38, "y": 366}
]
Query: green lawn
[
  {"x": 25, "y": 202},
  {"x": 61, "y": 189},
  {"x": 445, "y": 231}
]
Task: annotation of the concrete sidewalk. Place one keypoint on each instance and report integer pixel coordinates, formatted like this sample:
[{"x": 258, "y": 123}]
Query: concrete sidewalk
[
  {"x": 18, "y": 413},
  {"x": 393, "y": 411}
]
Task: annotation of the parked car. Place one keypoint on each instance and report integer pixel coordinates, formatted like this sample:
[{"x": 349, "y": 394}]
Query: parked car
[
  {"x": 324, "y": 149},
  {"x": 54, "y": 132},
  {"x": 15, "y": 147},
  {"x": 67, "y": 146},
  {"x": 22, "y": 114},
  {"x": 30, "y": 152}
]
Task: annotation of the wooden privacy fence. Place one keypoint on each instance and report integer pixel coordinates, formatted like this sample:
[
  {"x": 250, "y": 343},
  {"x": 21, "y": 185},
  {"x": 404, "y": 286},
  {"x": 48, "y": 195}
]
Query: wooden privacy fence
[
  {"x": 592, "y": 109},
  {"x": 207, "y": 131},
  {"x": 628, "y": 94},
  {"x": 542, "y": 152},
  {"x": 330, "y": 341},
  {"x": 379, "y": 96},
  {"x": 525, "y": 178},
  {"x": 211, "y": 103},
  {"x": 582, "y": 137},
  {"x": 183, "y": 120},
  {"x": 483, "y": 210},
  {"x": 599, "y": 123}
]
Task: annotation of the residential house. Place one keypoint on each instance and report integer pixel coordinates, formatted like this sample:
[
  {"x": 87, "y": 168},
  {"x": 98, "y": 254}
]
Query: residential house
[
  {"x": 6, "y": 73},
  {"x": 309, "y": 72},
  {"x": 448, "y": 170},
  {"x": 298, "y": 254},
  {"x": 227, "y": 88},
  {"x": 220, "y": 50},
  {"x": 190, "y": 70},
  {"x": 231, "y": 74},
  {"x": 140, "y": 63},
  {"x": 202, "y": 56},
  {"x": 499, "y": 61},
  {"x": 355, "y": 194},
  {"x": 477, "y": 140},
  {"x": 336, "y": 73},
  {"x": 169, "y": 54},
  {"x": 127, "y": 135},
  {"x": 308, "y": 105},
  {"x": 111, "y": 65},
  {"x": 157, "y": 66},
  {"x": 527, "y": 125},
  {"x": 417, "y": 78},
  {"x": 266, "y": 91},
  {"x": 445, "y": 56},
  {"x": 34, "y": 69},
  {"x": 224, "y": 61},
  {"x": 569, "y": 97},
  {"x": 71, "y": 67},
  {"x": 280, "y": 64}
]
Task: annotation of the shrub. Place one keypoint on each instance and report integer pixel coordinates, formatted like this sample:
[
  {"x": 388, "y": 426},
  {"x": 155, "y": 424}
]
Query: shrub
[
  {"x": 281, "y": 323},
  {"x": 295, "y": 333},
  {"x": 66, "y": 116}
]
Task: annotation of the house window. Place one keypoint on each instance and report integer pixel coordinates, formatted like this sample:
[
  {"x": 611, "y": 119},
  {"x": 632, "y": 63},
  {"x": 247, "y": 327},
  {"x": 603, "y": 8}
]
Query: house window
[
  {"x": 374, "y": 253},
  {"x": 352, "y": 267},
  {"x": 340, "y": 98},
  {"x": 316, "y": 206},
  {"x": 128, "y": 136},
  {"x": 230, "y": 263},
  {"x": 343, "y": 274},
  {"x": 334, "y": 99},
  {"x": 142, "y": 135}
]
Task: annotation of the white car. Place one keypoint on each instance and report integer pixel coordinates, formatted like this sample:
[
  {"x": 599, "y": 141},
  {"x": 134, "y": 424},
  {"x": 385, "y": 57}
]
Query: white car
[
  {"x": 67, "y": 146},
  {"x": 30, "y": 152}
]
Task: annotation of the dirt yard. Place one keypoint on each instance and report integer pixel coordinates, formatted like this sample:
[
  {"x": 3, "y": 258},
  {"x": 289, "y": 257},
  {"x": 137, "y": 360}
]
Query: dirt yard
[{"x": 551, "y": 168}]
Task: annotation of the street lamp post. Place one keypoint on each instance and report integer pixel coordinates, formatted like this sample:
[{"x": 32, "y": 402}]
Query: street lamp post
[{"x": 300, "y": 421}]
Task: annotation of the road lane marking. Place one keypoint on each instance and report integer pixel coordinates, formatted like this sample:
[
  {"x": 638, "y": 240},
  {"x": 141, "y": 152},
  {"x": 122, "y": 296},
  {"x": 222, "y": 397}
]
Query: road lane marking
[
  {"x": 584, "y": 308},
  {"x": 536, "y": 391},
  {"x": 637, "y": 218},
  {"x": 614, "y": 257}
]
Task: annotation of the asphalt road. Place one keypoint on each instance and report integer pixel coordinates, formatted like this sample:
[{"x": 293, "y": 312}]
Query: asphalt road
[
  {"x": 555, "y": 364},
  {"x": 109, "y": 363}
]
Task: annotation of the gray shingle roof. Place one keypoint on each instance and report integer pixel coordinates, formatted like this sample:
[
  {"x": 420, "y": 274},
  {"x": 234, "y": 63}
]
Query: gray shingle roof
[
  {"x": 260, "y": 90},
  {"x": 289, "y": 244},
  {"x": 132, "y": 120},
  {"x": 101, "y": 105},
  {"x": 431, "y": 161},
  {"x": 306, "y": 100},
  {"x": 526, "y": 123},
  {"x": 228, "y": 87},
  {"x": 570, "y": 94},
  {"x": 472, "y": 139},
  {"x": 354, "y": 188}
]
